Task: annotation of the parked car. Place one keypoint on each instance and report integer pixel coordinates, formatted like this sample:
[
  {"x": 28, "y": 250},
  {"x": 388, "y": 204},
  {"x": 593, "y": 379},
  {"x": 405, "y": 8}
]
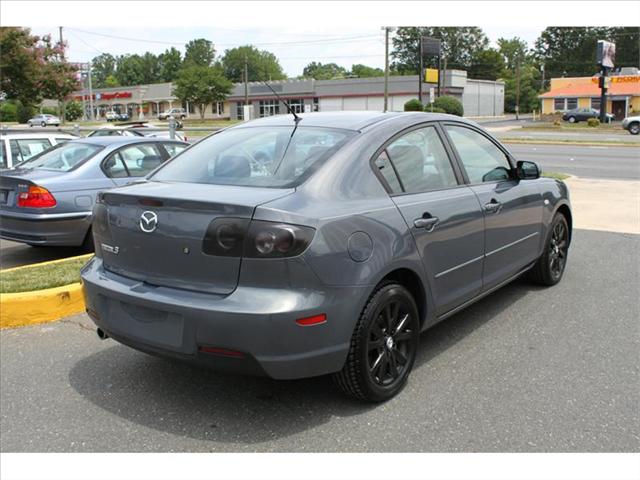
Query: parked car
[
  {"x": 178, "y": 113},
  {"x": 123, "y": 117},
  {"x": 113, "y": 116},
  {"x": 632, "y": 124},
  {"x": 17, "y": 147},
  {"x": 135, "y": 130},
  {"x": 47, "y": 200},
  {"x": 330, "y": 255},
  {"x": 43, "y": 120},
  {"x": 584, "y": 114}
]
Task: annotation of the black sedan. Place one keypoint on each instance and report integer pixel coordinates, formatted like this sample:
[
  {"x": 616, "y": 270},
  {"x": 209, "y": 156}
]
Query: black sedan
[{"x": 584, "y": 114}]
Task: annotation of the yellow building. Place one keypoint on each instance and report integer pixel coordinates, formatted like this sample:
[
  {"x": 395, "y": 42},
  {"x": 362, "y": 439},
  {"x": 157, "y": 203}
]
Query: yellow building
[{"x": 623, "y": 95}]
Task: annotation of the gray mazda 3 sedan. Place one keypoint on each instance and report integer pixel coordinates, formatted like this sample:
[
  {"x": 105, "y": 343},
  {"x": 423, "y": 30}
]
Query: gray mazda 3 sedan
[{"x": 325, "y": 244}]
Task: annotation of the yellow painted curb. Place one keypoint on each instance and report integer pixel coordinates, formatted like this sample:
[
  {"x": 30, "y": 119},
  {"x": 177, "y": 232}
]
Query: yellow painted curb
[{"x": 41, "y": 306}]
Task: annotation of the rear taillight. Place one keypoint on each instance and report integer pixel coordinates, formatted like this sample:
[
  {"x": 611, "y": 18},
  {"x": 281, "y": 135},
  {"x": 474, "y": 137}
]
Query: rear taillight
[
  {"x": 235, "y": 237},
  {"x": 36, "y": 197}
]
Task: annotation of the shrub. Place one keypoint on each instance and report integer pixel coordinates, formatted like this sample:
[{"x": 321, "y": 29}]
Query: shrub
[
  {"x": 413, "y": 105},
  {"x": 593, "y": 122},
  {"x": 24, "y": 112},
  {"x": 8, "y": 112},
  {"x": 557, "y": 123},
  {"x": 73, "y": 110},
  {"x": 450, "y": 105},
  {"x": 429, "y": 108}
]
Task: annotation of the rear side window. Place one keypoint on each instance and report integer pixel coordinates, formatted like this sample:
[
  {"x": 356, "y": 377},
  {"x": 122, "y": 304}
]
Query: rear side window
[
  {"x": 25, "y": 148},
  {"x": 173, "y": 148},
  {"x": 277, "y": 156},
  {"x": 420, "y": 162},
  {"x": 481, "y": 158},
  {"x": 133, "y": 161}
]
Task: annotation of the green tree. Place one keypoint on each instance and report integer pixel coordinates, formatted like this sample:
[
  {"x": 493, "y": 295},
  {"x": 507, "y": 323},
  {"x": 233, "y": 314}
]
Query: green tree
[
  {"x": 325, "y": 71},
  {"x": 363, "y": 71},
  {"x": 530, "y": 77},
  {"x": 486, "y": 65},
  {"x": 261, "y": 65},
  {"x": 459, "y": 45},
  {"x": 73, "y": 110},
  {"x": 170, "y": 63},
  {"x": 111, "y": 81},
  {"x": 513, "y": 50},
  {"x": 201, "y": 86},
  {"x": 102, "y": 67},
  {"x": 199, "y": 52},
  {"x": 627, "y": 40},
  {"x": 151, "y": 69},
  {"x": 130, "y": 70}
]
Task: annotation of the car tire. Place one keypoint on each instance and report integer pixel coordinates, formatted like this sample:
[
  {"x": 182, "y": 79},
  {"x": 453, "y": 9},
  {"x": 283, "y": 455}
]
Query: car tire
[
  {"x": 573, "y": 120},
  {"x": 43, "y": 124},
  {"x": 182, "y": 117},
  {"x": 549, "y": 268},
  {"x": 377, "y": 368},
  {"x": 30, "y": 124},
  {"x": 634, "y": 128}
]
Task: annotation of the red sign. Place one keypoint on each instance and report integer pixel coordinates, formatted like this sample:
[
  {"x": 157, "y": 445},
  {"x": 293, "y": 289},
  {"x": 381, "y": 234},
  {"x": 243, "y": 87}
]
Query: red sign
[{"x": 106, "y": 96}]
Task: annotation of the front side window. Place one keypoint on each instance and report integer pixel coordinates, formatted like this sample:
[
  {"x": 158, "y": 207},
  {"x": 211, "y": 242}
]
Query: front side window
[
  {"x": 278, "y": 157},
  {"x": 420, "y": 162},
  {"x": 481, "y": 158},
  {"x": 140, "y": 159},
  {"x": 63, "y": 157}
]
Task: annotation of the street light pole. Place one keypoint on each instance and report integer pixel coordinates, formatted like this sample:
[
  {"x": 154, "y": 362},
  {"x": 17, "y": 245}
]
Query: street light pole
[{"x": 93, "y": 115}]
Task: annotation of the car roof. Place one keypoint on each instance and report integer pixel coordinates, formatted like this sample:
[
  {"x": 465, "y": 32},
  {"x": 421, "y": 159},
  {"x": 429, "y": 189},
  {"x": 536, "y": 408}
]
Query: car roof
[
  {"x": 348, "y": 120},
  {"x": 36, "y": 135},
  {"x": 119, "y": 140}
]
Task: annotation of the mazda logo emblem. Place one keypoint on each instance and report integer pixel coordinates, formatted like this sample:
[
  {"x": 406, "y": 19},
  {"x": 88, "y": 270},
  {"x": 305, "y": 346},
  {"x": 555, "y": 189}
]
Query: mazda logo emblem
[{"x": 148, "y": 221}]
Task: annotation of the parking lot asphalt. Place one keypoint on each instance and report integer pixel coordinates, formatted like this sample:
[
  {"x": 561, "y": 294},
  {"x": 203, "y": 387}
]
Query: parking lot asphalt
[{"x": 525, "y": 369}]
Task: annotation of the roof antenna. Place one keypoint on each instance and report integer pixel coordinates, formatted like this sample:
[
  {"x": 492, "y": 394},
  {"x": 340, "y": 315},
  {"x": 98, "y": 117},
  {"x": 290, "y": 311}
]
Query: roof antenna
[{"x": 289, "y": 109}]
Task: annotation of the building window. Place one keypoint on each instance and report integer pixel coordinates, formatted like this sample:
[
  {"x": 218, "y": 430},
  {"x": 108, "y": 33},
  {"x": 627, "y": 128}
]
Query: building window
[
  {"x": 269, "y": 107},
  {"x": 558, "y": 104},
  {"x": 217, "y": 108},
  {"x": 297, "y": 105},
  {"x": 190, "y": 107},
  {"x": 240, "y": 110},
  {"x": 316, "y": 105},
  {"x": 572, "y": 103},
  {"x": 595, "y": 103}
]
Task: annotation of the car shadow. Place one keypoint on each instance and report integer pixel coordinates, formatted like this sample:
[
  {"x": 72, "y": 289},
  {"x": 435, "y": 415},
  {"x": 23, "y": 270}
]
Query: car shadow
[
  {"x": 14, "y": 254},
  {"x": 184, "y": 400}
]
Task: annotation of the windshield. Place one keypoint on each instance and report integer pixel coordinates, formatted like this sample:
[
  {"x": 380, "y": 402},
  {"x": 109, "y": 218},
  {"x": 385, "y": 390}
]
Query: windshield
[
  {"x": 63, "y": 157},
  {"x": 278, "y": 157}
]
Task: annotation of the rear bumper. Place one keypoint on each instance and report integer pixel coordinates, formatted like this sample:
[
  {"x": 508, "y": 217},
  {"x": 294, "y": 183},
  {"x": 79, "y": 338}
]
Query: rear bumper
[
  {"x": 257, "y": 323},
  {"x": 45, "y": 229}
]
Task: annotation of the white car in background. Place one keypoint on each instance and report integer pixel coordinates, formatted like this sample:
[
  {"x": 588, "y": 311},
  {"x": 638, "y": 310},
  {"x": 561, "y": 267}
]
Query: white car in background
[
  {"x": 135, "y": 129},
  {"x": 43, "y": 119},
  {"x": 632, "y": 125},
  {"x": 19, "y": 147}
]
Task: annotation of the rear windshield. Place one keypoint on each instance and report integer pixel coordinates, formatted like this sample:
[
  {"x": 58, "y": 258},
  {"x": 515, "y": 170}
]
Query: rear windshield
[
  {"x": 279, "y": 157},
  {"x": 62, "y": 157}
]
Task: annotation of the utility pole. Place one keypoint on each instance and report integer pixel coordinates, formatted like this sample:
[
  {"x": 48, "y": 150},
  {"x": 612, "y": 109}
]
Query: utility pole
[
  {"x": 386, "y": 67},
  {"x": 61, "y": 102},
  {"x": 421, "y": 72},
  {"x": 93, "y": 114},
  {"x": 246, "y": 80},
  {"x": 517, "y": 87}
]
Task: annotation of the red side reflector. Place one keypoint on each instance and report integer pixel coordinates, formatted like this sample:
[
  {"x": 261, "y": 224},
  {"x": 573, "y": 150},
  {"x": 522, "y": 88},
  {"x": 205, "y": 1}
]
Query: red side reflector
[
  {"x": 221, "y": 351},
  {"x": 315, "y": 320}
]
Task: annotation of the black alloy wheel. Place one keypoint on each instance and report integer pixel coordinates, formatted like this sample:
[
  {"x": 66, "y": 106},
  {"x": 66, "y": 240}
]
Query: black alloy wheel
[
  {"x": 550, "y": 267},
  {"x": 634, "y": 128},
  {"x": 383, "y": 346}
]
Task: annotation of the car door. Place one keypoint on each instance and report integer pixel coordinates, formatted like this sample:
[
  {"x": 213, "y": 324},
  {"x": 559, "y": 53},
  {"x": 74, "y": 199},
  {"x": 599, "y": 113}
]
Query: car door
[
  {"x": 444, "y": 215},
  {"x": 512, "y": 208},
  {"x": 132, "y": 162}
]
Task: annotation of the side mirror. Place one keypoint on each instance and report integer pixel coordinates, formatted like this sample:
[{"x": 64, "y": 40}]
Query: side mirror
[{"x": 527, "y": 170}]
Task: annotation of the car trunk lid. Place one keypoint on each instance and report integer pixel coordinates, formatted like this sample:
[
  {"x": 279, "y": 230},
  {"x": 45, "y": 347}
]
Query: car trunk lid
[
  {"x": 15, "y": 181},
  {"x": 165, "y": 247}
]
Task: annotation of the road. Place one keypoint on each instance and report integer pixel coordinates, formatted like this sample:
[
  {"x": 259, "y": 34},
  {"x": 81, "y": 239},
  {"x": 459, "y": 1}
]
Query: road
[
  {"x": 621, "y": 163},
  {"x": 526, "y": 369}
]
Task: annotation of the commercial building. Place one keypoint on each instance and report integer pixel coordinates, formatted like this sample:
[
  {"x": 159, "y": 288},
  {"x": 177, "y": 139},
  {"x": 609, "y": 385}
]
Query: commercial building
[
  {"x": 479, "y": 97},
  {"x": 623, "y": 94}
]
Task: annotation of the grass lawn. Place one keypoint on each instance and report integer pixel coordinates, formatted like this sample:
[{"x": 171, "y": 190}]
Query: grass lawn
[
  {"x": 556, "y": 175},
  {"x": 51, "y": 275},
  {"x": 574, "y": 127}
]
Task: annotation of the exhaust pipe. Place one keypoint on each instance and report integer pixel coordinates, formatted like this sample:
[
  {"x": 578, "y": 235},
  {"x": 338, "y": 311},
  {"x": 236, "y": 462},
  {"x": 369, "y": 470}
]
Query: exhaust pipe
[{"x": 101, "y": 334}]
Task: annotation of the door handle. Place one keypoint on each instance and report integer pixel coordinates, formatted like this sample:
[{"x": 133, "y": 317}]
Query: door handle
[
  {"x": 428, "y": 223},
  {"x": 493, "y": 206}
]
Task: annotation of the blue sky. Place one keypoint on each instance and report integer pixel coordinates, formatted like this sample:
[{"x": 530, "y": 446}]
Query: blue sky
[{"x": 294, "y": 46}]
